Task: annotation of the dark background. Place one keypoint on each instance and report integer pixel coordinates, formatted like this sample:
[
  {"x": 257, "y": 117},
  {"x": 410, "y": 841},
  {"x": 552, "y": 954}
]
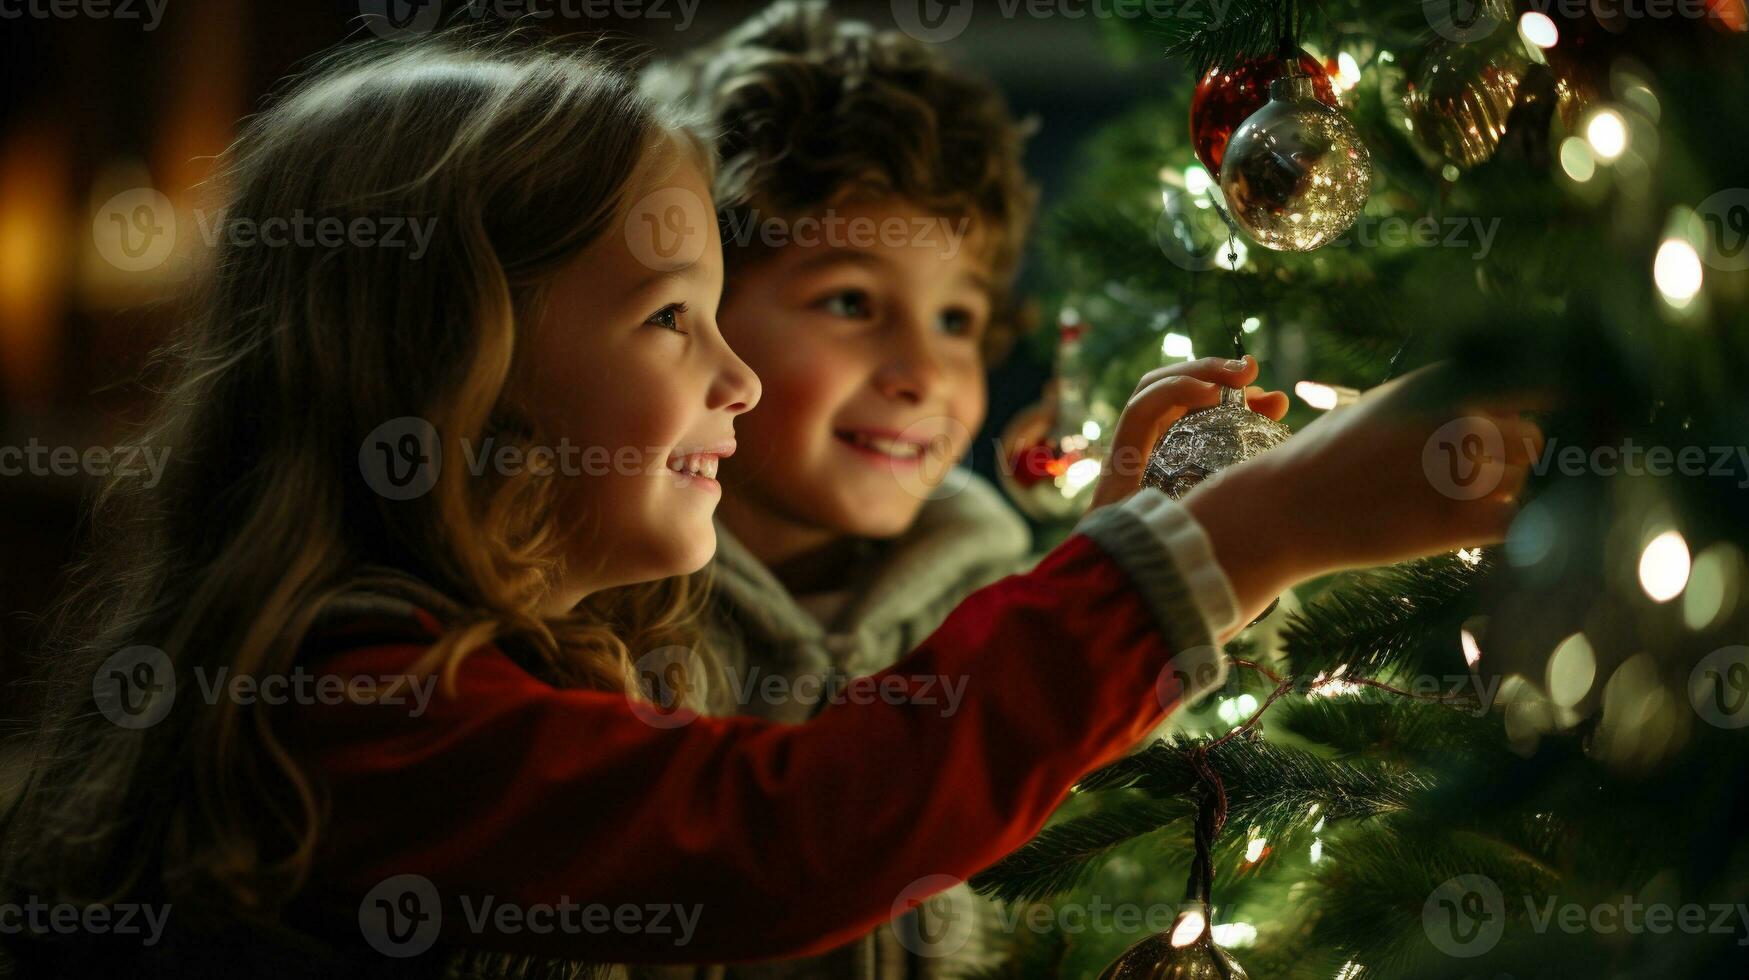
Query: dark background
[{"x": 98, "y": 99}]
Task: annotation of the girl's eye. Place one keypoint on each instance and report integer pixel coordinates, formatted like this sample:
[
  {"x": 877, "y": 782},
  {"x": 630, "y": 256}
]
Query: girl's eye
[
  {"x": 851, "y": 303},
  {"x": 668, "y": 317},
  {"x": 958, "y": 323}
]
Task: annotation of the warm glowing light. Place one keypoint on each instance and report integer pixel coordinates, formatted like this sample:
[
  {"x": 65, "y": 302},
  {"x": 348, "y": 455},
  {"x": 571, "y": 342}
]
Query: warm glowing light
[
  {"x": 1189, "y": 927},
  {"x": 1470, "y": 556},
  {"x": 1472, "y": 651},
  {"x": 1080, "y": 475},
  {"x": 1317, "y": 851},
  {"x": 1572, "y": 670},
  {"x": 1347, "y": 71},
  {"x": 1576, "y": 159},
  {"x": 1677, "y": 272},
  {"x": 1538, "y": 29},
  {"x": 1319, "y": 396},
  {"x": 1177, "y": 345},
  {"x": 1197, "y": 180},
  {"x": 1251, "y": 324},
  {"x": 1664, "y": 566},
  {"x": 1090, "y": 430},
  {"x": 1254, "y": 849},
  {"x": 1607, "y": 133},
  {"x": 1234, "y": 934}
]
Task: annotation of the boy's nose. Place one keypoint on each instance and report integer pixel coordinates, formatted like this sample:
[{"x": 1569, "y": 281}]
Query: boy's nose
[{"x": 913, "y": 370}]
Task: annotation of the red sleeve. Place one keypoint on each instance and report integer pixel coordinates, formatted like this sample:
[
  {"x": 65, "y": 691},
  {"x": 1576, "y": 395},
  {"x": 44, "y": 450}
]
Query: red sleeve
[{"x": 779, "y": 839}]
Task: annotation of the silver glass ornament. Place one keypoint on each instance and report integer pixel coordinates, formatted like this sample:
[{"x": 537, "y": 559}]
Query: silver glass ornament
[
  {"x": 1296, "y": 174},
  {"x": 1209, "y": 440}
]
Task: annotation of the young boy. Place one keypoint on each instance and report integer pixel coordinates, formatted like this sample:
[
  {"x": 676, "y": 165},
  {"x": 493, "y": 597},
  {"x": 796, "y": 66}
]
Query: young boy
[{"x": 874, "y": 209}]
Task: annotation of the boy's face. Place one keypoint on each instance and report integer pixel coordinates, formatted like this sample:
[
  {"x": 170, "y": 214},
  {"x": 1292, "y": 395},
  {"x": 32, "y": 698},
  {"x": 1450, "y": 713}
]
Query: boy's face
[{"x": 865, "y": 332}]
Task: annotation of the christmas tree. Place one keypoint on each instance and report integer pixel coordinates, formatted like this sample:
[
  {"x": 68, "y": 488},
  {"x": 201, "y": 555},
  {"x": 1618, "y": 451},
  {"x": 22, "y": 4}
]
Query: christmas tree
[{"x": 1528, "y": 760}]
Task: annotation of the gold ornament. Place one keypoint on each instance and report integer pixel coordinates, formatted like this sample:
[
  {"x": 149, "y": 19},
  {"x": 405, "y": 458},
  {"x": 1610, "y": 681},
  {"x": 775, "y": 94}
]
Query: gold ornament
[
  {"x": 1155, "y": 958},
  {"x": 1209, "y": 440},
  {"x": 1296, "y": 174},
  {"x": 1458, "y": 96}
]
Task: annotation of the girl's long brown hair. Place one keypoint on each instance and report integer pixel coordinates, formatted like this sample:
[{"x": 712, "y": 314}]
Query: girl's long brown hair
[{"x": 518, "y": 153}]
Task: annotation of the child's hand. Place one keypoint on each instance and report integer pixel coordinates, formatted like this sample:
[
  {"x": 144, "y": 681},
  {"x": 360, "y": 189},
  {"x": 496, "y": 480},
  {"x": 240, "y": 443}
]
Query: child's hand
[
  {"x": 1396, "y": 475},
  {"x": 1161, "y": 398}
]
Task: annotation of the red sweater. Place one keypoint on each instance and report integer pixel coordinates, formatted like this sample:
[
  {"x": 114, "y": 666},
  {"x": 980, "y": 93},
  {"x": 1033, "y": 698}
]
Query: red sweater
[{"x": 520, "y": 793}]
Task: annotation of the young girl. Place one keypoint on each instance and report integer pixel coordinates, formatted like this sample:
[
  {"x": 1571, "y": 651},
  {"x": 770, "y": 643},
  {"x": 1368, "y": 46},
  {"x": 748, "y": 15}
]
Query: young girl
[{"x": 329, "y": 700}]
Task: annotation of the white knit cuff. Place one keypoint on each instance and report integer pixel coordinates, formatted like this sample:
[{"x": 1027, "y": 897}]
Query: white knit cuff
[{"x": 1188, "y": 545}]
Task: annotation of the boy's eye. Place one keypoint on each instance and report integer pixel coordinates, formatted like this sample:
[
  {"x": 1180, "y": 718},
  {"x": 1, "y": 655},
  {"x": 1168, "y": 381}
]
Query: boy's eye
[
  {"x": 851, "y": 303},
  {"x": 958, "y": 323},
  {"x": 668, "y": 317}
]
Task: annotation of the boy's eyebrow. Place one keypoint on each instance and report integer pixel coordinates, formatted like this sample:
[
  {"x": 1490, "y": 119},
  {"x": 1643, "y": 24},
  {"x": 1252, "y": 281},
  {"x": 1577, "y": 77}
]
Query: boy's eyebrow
[
  {"x": 841, "y": 256},
  {"x": 847, "y": 256}
]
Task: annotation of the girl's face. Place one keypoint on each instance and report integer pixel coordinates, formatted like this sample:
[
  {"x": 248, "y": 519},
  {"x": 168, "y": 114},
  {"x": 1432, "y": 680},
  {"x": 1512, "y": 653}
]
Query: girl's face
[{"x": 630, "y": 376}]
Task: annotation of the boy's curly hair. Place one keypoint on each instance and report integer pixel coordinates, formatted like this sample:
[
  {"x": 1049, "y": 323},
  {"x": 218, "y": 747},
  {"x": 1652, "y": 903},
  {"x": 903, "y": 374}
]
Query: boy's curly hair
[{"x": 811, "y": 111}]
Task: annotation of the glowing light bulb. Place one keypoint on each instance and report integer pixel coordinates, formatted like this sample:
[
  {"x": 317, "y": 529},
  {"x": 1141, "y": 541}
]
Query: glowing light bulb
[
  {"x": 1177, "y": 345},
  {"x": 1472, "y": 651},
  {"x": 1678, "y": 272},
  {"x": 1572, "y": 669},
  {"x": 1347, "y": 71},
  {"x": 1090, "y": 430},
  {"x": 1254, "y": 849},
  {"x": 1576, "y": 159},
  {"x": 1080, "y": 474},
  {"x": 1320, "y": 396},
  {"x": 1536, "y": 28},
  {"x": 1664, "y": 566},
  {"x": 1251, "y": 324},
  {"x": 1607, "y": 133},
  {"x": 1189, "y": 927},
  {"x": 1197, "y": 180}
]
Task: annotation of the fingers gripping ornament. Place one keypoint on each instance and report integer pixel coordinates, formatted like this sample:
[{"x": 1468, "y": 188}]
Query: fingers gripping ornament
[
  {"x": 1295, "y": 174},
  {"x": 1209, "y": 440}
]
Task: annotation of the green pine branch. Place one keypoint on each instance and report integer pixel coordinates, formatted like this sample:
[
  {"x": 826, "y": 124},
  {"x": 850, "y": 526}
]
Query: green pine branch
[
  {"x": 1404, "y": 618},
  {"x": 1061, "y": 857}
]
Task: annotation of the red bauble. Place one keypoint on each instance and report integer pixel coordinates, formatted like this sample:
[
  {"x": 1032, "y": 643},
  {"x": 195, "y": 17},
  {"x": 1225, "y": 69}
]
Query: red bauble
[{"x": 1227, "y": 96}]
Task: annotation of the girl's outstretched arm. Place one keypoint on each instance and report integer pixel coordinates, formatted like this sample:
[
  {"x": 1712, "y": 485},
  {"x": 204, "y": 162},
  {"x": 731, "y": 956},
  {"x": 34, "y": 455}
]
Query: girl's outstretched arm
[{"x": 671, "y": 841}]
